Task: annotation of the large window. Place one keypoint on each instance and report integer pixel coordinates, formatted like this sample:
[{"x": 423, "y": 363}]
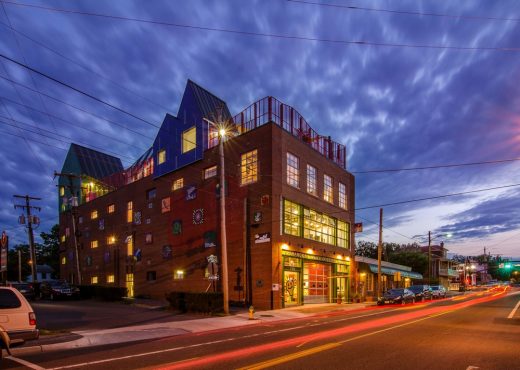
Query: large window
[
  {"x": 178, "y": 184},
  {"x": 311, "y": 180},
  {"x": 343, "y": 233},
  {"x": 292, "y": 224},
  {"x": 189, "y": 139},
  {"x": 249, "y": 167},
  {"x": 305, "y": 222},
  {"x": 293, "y": 170},
  {"x": 342, "y": 196},
  {"x": 318, "y": 226},
  {"x": 327, "y": 189}
]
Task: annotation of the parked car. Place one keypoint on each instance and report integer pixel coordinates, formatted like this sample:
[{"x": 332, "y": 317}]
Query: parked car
[
  {"x": 17, "y": 318},
  {"x": 25, "y": 288},
  {"x": 438, "y": 291},
  {"x": 57, "y": 289},
  {"x": 394, "y": 296},
  {"x": 421, "y": 292}
]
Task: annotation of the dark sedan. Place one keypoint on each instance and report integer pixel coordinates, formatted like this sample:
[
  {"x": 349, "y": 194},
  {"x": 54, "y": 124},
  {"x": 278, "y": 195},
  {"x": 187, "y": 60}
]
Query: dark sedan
[
  {"x": 25, "y": 288},
  {"x": 421, "y": 292},
  {"x": 396, "y": 296},
  {"x": 57, "y": 289}
]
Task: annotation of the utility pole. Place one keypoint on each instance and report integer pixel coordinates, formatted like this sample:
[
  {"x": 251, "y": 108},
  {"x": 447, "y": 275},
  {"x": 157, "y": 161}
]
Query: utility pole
[
  {"x": 379, "y": 252},
  {"x": 27, "y": 207},
  {"x": 429, "y": 257},
  {"x": 73, "y": 204}
]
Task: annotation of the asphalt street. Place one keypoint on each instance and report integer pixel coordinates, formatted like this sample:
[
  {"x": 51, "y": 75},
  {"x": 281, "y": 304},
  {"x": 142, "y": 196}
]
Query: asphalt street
[{"x": 463, "y": 333}]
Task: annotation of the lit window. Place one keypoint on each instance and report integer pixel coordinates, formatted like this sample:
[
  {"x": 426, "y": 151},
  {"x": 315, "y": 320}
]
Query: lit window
[
  {"x": 129, "y": 212},
  {"x": 150, "y": 194},
  {"x": 293, "y": 170},
  {"x": 249, "y": 167},
  {"x": 343, "y": 233},
  {"x": 178, "y": 184},
  {"x": 161, "y": 156},
  {"x": 110, "y": 278},
  {"x": 62, "y": 191},
  {"x": 342, "y": 196},
  {"x": 93, "y": 244},
  {"x": 111, "y": 208},
  {"x": 63, "y": 238},
  {"x": 319, "y": 226},
  {"x": 327, "y": 189},
  {"x": 210, "y": 172},
  {"x": 111, "y": 240},
  {"x": 148, "y": 238},
  {"x": 311, "y": 180},
  {"x": 189, "y": 139},
  {"x": 93, "y": 215},
  {"x": 291, "y": 221},
  {"x": 129, "y": 245},
  {"x": 94, "y": 280},
  {"x": 179, "y": 275},
  {"x": 63, "y": 260}
]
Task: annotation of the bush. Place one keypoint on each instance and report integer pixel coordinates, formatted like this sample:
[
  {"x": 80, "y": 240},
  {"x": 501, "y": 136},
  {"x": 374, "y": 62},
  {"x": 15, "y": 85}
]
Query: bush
[{"x": 196, "y": 302}]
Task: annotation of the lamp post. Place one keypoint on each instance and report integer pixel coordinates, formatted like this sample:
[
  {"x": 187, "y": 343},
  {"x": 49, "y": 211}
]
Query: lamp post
[{"x": 223, "y": 237}]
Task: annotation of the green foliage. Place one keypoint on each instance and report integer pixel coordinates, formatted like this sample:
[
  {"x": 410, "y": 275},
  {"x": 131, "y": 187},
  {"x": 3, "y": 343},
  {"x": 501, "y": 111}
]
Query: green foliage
[
  {"x": 48, "y": 253},
  {"x": 366, "y": 249},
  {"x": 416, "y": 260},
  {"x": 206, "y": 302}
]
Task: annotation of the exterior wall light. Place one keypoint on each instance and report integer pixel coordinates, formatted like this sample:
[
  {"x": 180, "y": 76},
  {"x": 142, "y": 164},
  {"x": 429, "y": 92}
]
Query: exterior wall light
[
  {"x": 310, "y": 251},
  {"x": 339, "y": 257},
  {"x": 285, "y": 247}
]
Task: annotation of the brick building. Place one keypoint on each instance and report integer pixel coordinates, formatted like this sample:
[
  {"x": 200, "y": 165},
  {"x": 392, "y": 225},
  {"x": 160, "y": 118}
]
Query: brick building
[{"x": 155, "y": 227}]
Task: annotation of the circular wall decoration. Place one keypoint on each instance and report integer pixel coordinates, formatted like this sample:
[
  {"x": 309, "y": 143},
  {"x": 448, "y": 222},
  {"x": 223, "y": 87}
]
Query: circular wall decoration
[{"x": 198, "y": 216}]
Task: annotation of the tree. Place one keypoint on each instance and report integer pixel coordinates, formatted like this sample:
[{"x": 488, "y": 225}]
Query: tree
[
  {"x": 416, "y": 260},
  {"x": 48, "y": 253},
  {"x": 366, "y": 249}
]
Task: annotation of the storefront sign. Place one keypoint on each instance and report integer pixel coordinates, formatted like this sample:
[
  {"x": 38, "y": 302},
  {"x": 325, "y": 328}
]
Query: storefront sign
[
  {"x": 262, "y": 238},
  {"x": 4, "y": 244},
  {"x": 212, "y": 267},
  {"x": 314, "y": 258},
  {"x": 358, "y": 227},
  {"x": 275, "y": 287}
]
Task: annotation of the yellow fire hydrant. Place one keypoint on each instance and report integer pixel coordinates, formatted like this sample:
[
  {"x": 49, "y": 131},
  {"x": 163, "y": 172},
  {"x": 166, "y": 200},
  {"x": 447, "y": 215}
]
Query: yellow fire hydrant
[{"x": 251, "y": 313}]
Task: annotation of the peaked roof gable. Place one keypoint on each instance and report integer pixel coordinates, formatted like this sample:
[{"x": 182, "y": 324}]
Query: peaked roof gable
[
  {"x": 95, "y": 164},
  {"x": 208, "y": 103}
]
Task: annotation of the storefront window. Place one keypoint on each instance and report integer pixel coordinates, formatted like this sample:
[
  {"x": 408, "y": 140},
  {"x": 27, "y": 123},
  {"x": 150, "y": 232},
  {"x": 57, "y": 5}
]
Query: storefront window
[{"x": 316, "y": 282}]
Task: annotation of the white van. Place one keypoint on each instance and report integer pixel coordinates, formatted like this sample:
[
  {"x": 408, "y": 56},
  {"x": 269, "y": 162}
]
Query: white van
[{"x": 17, "y": 318}]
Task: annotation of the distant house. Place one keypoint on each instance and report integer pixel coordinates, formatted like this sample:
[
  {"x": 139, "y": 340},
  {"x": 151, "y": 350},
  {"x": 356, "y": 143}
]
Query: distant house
[
  {"x": 393, "y": 276},
  {"x": 443, "y": 270},
  {"x": 43, "y": 273}
]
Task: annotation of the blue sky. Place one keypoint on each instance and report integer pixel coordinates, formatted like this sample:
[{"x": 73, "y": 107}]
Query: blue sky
[{"x": 424, "y": 90}]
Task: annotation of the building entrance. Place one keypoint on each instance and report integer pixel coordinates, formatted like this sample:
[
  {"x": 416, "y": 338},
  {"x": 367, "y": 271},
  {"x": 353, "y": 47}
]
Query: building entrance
[
  {"x": 316, "y": 280},
  {"x": 291, "y": 288}
]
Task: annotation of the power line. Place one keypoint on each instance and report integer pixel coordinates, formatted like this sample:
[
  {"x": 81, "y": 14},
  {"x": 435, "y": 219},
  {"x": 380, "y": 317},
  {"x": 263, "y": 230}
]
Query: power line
[
  {"x": 41, "y": 44},
  {"x": 406, "y": 12},
  {"x": 79, "y": 109},
  {"x": 437, "y": 166},
  {"x": 73, "y": 124},
  {"x": 270, "y": 35},
  {"x": 437, "y": 197},
  {"x": 78, "y": 90}
]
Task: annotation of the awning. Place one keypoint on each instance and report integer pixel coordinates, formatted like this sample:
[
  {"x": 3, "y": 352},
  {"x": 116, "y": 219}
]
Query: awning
[{"x": 390, "y": 271}]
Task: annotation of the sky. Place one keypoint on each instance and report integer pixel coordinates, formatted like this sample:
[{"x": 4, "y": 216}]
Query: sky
[{"x": 403, "y": 84}]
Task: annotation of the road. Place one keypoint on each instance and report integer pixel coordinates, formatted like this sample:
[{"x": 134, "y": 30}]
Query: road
[{"x": 463, "y": 333}]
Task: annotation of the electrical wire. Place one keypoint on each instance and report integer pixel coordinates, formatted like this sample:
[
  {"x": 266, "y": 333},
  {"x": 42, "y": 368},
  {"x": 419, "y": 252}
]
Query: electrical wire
[
  {"x": 406, "y": 12},
  {"x": 270, "y": 35}
]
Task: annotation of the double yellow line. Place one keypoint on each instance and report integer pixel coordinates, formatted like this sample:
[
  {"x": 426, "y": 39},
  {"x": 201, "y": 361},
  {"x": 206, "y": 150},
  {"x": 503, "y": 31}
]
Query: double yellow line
[{"x": 326, "y": 347}]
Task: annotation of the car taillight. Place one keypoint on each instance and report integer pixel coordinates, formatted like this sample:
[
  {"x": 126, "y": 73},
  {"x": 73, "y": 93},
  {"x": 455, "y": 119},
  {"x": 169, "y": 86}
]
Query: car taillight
[{"x": 32, "y": 318}]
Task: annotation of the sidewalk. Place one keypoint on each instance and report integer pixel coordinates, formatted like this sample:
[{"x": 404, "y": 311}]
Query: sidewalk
[{"x": 79, "y": 339}]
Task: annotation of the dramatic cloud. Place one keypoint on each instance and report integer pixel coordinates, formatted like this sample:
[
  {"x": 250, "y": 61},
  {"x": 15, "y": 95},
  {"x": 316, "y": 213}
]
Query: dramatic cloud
[{"x": 392, "y": 106}]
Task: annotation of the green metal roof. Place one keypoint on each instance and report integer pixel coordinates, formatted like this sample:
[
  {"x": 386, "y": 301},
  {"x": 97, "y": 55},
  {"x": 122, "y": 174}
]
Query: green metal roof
[{"x": 390, "y": 271}]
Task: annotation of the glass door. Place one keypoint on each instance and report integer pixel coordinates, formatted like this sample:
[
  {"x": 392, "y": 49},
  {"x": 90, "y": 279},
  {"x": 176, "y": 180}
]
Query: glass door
[{"x": 291, "y": 288}]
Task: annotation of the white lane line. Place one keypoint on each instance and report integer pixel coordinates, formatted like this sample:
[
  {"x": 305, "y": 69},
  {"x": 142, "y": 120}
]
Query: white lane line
[
  {"x": 514, "y": 311},
  {"x": 203, "y": 344},
  {"x": 25, "y": 363}
]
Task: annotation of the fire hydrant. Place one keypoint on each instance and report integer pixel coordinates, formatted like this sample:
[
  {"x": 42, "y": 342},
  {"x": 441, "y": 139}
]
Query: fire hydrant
[{"x": 251, "y": 313}]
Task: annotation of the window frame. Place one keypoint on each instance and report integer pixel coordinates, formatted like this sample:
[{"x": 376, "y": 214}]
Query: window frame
[
  {"x": 208, "y": 172},
  {"x": 249, "y": 175},
  {"x": 342, "y": 195},
  {"x": 161, "y": 156},
  {"x": 328, "y": 189},
  {"x": 312, "y": 181},
  {"x": 188, "y": 145},
  {"x": 292, "y": 170}
]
